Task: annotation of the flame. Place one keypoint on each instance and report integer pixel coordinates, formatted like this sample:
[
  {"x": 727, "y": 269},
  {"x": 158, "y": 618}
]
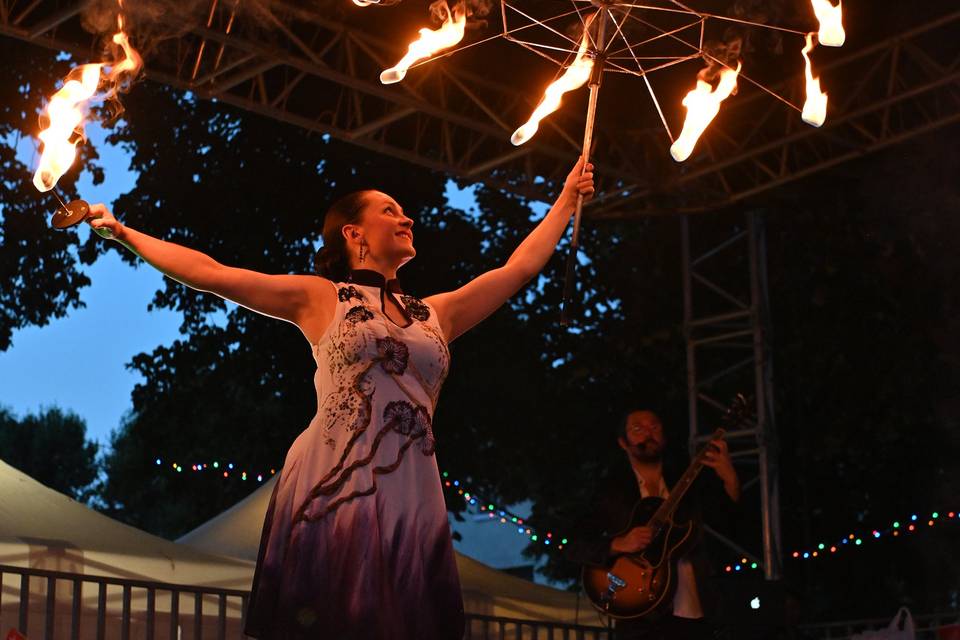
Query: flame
[
  {"x": 831, "y": 32},
  {"x": 65, "y": 111},
  {"x": 365, "y": 3},
  {"x": 430, "y": 42},
  {"x": 815, "y": 107},
  {"x": 575, "y": 76},
  {"x": 703, "y": 104},
  {"x": 66, "y": 116}
]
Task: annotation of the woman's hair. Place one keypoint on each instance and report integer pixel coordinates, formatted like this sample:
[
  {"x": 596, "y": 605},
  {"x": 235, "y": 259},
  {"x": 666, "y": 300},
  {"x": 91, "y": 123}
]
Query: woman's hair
[{"x": 332, "y": 261}]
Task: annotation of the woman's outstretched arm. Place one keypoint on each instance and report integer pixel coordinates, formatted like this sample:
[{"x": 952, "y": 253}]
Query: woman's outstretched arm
[
  {"x": 460, "y": 310},
  {"x": 306, "y": 301}
]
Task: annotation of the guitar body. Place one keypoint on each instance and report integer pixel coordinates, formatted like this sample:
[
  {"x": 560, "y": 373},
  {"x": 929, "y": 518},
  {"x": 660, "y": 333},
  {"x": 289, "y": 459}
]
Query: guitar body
[{"x": 635, "y": 585}]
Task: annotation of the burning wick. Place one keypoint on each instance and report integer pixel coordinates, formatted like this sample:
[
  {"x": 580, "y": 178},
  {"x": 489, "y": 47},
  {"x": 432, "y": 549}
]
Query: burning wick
[
  {"x": 63, "y": 122},
  {"x": 430, "y": 42},
  {"x": 815, "y": 107},
  {"x": 575, "y": 76},
  {"x": 831, "y": 32},
  {"x": 703, "y": 105}
]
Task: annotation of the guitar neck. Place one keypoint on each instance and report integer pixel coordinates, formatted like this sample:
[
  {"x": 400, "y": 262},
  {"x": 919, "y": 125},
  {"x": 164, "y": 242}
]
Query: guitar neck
[{"x": 665, "y": 512}]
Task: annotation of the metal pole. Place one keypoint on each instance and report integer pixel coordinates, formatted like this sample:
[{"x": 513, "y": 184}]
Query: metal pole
[
  {"x": 596, "y": 75},
  {"x": 688, "y": 334},
  {"x": 767, "y": 460}
]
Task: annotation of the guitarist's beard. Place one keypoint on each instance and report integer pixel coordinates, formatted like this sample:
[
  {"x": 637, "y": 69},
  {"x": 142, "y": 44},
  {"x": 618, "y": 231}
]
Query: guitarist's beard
[{"x": 649, "y": 450}]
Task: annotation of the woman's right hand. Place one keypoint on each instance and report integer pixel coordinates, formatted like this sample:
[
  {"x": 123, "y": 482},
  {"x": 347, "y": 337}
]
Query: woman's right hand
[
  {"x": 634, "y": 541},
  {"x": 103, "y": 222},
  {"x": 579, "y": 182}
]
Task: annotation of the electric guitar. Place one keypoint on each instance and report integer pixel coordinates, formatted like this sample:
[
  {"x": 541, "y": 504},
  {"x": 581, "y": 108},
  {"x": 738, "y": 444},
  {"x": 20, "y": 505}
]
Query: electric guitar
[{"x": 637, "y": 584}]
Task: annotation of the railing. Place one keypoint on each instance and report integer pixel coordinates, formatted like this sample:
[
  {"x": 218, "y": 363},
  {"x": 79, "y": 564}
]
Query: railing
[
  {"x": 54, "y": 605},
  {"x": 481, "y": 627}
]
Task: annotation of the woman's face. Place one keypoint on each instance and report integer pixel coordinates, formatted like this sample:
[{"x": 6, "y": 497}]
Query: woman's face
[{"x": 387, "y": 231}]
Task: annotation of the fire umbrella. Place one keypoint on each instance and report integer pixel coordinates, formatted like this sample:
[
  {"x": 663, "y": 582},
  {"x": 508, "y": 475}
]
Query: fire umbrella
[{"x": 587, "y": 38}]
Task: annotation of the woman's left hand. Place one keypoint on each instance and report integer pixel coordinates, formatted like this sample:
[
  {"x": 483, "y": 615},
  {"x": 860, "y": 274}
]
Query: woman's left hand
[{"x": 579, "y": 182}]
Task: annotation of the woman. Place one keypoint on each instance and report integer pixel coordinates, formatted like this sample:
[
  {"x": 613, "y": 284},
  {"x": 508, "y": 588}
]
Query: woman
[{"x": 356, "y": 543}]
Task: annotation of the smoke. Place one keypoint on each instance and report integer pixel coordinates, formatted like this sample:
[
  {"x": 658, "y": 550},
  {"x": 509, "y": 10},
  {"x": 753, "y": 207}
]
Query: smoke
[
  {"x": 759, "y": 12},
  {"x": 719, "y": 56},
  {"x": 440, "y": 9},
  {"x": 475, "y": 9},
  {"x": 740, "y": 40},
  {"x": 149, "y": 21}
]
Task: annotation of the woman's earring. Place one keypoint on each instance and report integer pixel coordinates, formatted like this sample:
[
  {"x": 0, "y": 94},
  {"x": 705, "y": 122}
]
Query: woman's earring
[{"x": 363, "y": 251}]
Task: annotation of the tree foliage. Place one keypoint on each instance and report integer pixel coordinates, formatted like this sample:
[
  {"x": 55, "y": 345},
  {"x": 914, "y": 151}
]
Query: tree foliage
[
  {"x": 39, "y": 275},
  {"x": 52, "y": 447}
]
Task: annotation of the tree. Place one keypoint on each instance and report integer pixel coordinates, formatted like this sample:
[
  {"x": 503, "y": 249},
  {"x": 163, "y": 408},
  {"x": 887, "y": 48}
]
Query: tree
[{"x": 51, "y": 447}]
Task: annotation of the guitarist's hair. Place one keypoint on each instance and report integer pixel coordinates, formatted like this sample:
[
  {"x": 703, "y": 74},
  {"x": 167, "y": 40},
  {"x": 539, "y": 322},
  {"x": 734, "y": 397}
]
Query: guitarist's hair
[{"x": 622, "y": 425}]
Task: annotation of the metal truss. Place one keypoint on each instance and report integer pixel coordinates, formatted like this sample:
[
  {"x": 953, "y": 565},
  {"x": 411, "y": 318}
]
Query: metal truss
[
  {"x": 728, "y": 352},
  {"x": 317, "y": 66},
  {"x": 300, "y": 66}
]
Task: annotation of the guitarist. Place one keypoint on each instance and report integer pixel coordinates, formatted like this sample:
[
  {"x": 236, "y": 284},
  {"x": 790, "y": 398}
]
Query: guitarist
[{"x": 597, "y": 543}]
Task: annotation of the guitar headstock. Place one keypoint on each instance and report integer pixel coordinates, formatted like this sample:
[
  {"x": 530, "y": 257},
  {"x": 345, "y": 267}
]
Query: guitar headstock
[{"x": 736, "y": 413}]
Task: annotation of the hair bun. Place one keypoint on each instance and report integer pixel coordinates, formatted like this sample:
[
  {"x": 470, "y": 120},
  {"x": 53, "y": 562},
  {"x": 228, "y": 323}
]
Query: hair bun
[
  {"x": 331, "y": 265},
  {"x": 332, "y": 261}
]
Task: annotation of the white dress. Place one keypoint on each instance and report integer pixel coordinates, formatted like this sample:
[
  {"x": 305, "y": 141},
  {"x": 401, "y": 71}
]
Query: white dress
[{"x": 356, "y": 542}]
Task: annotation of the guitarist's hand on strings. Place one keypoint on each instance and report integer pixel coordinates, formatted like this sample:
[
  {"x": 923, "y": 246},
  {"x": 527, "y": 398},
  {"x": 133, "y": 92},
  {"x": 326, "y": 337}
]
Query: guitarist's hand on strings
[
  {"x": 634, "y": 541},
  {"x": 718, "y": 459}
]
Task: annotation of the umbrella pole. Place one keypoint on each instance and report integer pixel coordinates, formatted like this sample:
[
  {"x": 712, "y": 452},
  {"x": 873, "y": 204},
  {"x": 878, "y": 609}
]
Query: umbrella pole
[{"x": 569, "y": 281}]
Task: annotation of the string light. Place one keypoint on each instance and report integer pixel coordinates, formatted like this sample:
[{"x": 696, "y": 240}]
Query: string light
[
  {"x": 201, "y": 466},
  {"x": 505, "y": 517},
  {"x": 894, "y": 530},
  {"x": 501, "y": 515},
  {"x": 495, "y": 513}
]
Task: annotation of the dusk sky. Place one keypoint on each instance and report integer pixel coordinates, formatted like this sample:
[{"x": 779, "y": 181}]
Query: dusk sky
[{"x": 78, "y": 362}]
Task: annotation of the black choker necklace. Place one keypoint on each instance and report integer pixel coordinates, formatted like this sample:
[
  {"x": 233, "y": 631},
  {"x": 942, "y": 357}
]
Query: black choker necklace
[{"x": 371, "y": 278}]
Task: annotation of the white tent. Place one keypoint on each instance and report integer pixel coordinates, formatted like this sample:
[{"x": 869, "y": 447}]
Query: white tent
[
  {"x": 43, "y": 530},
  {"x": 486, "y": 591}
]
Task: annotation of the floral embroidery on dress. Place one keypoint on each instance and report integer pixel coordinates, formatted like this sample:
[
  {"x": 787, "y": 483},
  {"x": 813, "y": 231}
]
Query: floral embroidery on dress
[
  {"x": 409, "y": 420},
  {"x": 398, "y": 415},
  {"x": 393, "y": 355},
  {"x": 425, "y": 427},
  {"x": 416, "y": 308},
  {"x": 358, "y": 314},
  {"x": 346, "y": 293}
]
